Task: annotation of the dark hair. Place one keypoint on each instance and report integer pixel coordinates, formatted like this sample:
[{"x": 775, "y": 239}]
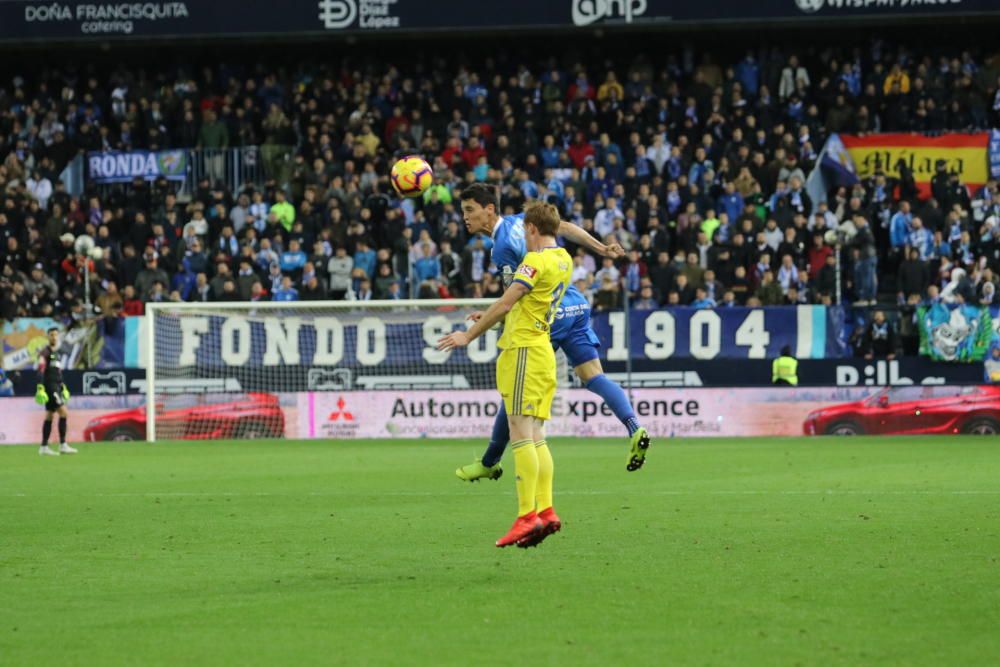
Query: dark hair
[
  {"x": 51, "y": 329},
  {"x": 786, "y": 351},
  {"x": 482, "y": 194}
]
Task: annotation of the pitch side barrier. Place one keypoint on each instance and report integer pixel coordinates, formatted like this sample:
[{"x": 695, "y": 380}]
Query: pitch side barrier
[{"x": 469, "y": 414}]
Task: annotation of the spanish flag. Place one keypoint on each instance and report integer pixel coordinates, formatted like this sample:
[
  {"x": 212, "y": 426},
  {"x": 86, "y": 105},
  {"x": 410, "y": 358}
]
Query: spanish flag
[{"x": 965, "y": 154}]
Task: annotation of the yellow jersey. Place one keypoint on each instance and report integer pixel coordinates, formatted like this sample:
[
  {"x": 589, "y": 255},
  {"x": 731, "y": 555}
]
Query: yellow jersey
[{"x": 546, "y": 274}]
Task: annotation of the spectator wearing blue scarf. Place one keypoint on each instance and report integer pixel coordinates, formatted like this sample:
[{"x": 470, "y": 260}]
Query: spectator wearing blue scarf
[
  {"x": 940, "y": 247},
  {"x": 701, "y": 164},
  {"x": 184, "y": 281},
  {"x": 731, "y": 202},
  {"x": 557, "y": 191},
  {"x": 899, "y": 225},
  {"x": 293, "y": 259},
  {"x": 550, "y": 152},
  {"x": 748, "y": 73},
  {"x": 644, "y": 167},
  {"x": 364, "y": 259},
  {"x": 427, "y": 267},
  {"x": 674, "y": 167},
  {"x": 701, "y": 299},
  {"x": 851, "y": 75},
  {"x": 527, "y": 186},
  {"x": 285, "y": 291},
  {"x": 920, "y": 239}
]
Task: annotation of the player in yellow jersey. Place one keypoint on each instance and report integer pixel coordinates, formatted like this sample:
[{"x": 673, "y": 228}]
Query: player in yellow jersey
[{"x": 526, "y": 368}]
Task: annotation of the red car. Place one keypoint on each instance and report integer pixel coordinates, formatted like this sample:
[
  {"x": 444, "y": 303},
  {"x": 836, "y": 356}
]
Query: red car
[
  {"x": 914, "y": 410},
  {"x": 196, "y": 417}
]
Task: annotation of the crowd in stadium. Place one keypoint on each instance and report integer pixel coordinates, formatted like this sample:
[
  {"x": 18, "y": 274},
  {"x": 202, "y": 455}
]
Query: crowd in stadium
[{"x": 697, "y": 169}]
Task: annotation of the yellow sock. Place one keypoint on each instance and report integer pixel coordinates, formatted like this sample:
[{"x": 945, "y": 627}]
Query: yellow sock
[
  {"x": 525, "y": 475},
  {"x": 543, "y": 491}
]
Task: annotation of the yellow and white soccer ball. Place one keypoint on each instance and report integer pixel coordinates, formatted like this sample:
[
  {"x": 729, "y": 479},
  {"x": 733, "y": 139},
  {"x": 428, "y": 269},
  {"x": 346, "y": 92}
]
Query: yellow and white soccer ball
[{"x": 411, "y": 176}]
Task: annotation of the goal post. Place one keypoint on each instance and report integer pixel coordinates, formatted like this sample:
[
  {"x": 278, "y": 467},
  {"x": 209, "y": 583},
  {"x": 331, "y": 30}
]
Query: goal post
[{"x": 240, "y": 369}]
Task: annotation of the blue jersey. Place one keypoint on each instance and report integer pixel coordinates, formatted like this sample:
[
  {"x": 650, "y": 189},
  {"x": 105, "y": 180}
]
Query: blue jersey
[
  {"x": 509, "y": 246},
  {"x": 571, "y": 328}
]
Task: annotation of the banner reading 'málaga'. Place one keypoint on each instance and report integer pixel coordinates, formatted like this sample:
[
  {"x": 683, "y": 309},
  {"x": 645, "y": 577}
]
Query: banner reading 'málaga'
[
  {"x": 846, "y": 158},
  {"x": 964, "y": 154}
]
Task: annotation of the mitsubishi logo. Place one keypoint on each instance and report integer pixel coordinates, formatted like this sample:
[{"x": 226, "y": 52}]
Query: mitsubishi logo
[{"x": 340, "y": 412}]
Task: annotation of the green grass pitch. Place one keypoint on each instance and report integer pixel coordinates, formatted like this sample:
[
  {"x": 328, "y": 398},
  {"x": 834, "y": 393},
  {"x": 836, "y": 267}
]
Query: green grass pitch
[{"x": 868, "y": 551}]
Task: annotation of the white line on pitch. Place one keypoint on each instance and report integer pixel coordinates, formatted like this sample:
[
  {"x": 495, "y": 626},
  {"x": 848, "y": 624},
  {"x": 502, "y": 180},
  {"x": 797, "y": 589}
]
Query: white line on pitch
[{"x": 408, "y": 494}]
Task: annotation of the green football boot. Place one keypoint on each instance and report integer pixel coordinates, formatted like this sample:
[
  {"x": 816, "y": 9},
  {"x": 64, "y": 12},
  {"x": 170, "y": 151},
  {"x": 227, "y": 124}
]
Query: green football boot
[
  {"x": 476, "y": 471},
  {"x": 637, "y": 453}
]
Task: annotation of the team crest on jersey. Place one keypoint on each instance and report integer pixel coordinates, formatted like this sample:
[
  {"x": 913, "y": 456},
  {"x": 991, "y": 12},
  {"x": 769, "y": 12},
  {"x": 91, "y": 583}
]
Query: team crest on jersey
[
  {"x": 507, "y": 274},
  {"x": 526, "y": 270}
]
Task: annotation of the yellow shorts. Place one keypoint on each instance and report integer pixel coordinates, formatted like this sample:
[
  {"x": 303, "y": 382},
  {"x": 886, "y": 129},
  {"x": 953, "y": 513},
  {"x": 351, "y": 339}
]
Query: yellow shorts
[{"x": 526, "y": 378}]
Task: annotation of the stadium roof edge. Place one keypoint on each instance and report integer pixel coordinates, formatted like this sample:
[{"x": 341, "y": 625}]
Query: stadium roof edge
[{"x": 37, "y": 26}]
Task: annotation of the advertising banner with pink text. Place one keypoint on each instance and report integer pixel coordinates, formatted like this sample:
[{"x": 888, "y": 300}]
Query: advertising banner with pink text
[
  {"x": 469, "y": 414},
  {"x": 778, "y": 411}
]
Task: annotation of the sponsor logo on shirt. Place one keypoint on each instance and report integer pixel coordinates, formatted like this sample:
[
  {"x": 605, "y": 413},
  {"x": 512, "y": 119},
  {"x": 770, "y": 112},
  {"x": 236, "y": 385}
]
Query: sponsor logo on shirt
[{"x": 526, "y": 270}]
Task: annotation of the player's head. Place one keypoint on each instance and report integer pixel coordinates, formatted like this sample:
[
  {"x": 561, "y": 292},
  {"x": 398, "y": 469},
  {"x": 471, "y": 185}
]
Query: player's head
[
  {"x": 479, "y": 207},
  {"x": 53, "y": 334},
  {"x": 541, "y": 220}
]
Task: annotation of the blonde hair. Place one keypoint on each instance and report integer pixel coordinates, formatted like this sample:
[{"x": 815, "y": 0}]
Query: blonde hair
[{"x": 544, "y": 216}]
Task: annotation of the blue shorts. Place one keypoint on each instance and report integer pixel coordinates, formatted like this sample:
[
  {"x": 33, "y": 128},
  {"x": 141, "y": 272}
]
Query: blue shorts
[{"x": 572, "y": 334}]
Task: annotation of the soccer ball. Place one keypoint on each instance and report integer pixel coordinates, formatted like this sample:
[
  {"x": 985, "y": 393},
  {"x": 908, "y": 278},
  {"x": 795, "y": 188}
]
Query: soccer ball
[{"x": 411, "y": 176}]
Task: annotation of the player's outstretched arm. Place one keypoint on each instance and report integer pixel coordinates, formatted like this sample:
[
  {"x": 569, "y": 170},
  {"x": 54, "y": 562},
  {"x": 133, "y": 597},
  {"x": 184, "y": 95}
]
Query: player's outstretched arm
[
  {"x": 579, "y": 236},
  {"x": 496, "y": 312}
]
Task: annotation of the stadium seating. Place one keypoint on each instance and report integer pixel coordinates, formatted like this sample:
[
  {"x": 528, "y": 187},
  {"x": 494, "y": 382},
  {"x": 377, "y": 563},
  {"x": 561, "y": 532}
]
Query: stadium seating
[{"x": 685, "y": 165}]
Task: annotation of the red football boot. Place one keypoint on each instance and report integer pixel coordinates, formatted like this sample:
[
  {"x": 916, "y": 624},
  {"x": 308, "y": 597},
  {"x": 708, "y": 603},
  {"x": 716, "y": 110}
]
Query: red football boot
[
  {"x": 550, "y": 524},
  {"x": 523, "y": 527}
]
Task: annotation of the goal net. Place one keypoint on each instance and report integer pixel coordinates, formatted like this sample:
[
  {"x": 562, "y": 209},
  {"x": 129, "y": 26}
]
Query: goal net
[{"x": 306, "y": 369}]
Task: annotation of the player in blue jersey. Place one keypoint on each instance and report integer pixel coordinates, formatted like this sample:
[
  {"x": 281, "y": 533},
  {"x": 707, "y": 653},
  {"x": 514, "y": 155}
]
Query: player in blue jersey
[{"x": 570, "y": 333}]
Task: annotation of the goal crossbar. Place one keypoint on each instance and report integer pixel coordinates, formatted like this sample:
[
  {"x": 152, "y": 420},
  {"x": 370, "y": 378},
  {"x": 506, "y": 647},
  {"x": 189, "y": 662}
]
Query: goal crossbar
[{"x": 281, "y": 310}]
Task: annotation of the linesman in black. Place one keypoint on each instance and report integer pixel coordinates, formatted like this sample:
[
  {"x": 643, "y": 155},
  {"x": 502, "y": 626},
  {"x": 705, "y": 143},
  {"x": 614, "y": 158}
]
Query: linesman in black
[{"x": 53, "y": 394}]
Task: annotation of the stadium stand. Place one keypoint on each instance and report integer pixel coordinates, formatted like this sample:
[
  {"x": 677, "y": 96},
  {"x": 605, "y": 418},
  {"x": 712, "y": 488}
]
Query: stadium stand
[{"x": 695, "y": 164}]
